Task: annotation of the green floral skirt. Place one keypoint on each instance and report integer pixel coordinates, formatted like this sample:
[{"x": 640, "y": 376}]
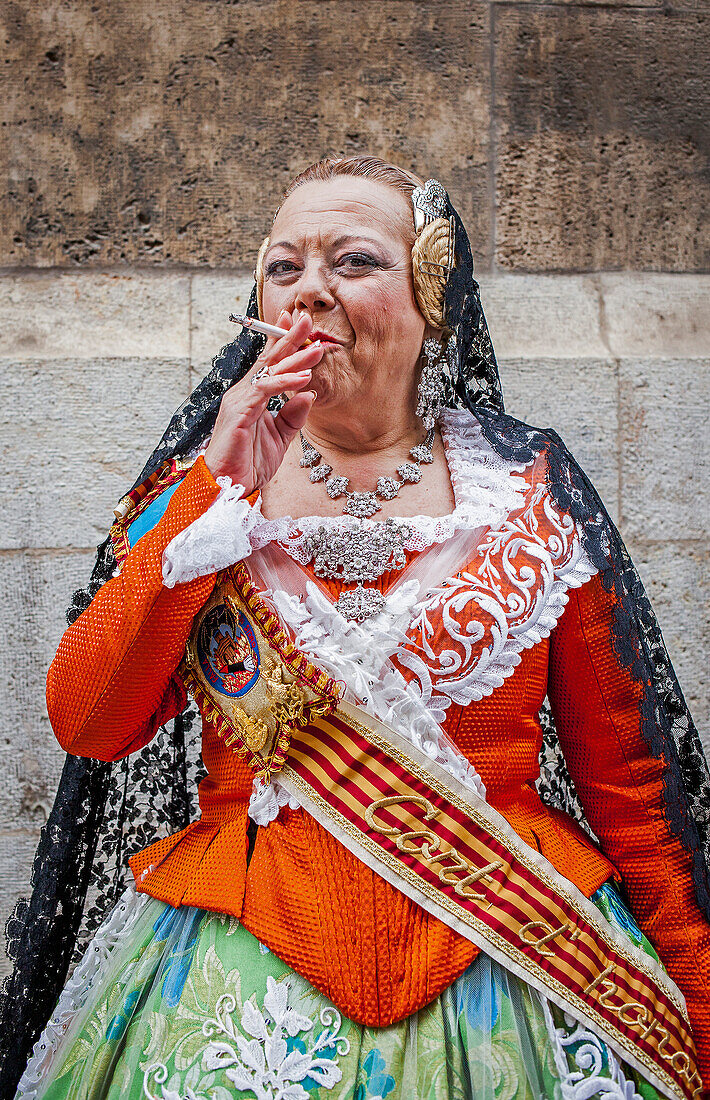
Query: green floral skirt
[{"x": 184, "y": 1004}]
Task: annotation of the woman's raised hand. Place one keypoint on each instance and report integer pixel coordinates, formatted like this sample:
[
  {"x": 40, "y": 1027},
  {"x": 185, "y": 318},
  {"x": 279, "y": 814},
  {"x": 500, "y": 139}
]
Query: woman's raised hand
[{"x": 248, "y": 443}]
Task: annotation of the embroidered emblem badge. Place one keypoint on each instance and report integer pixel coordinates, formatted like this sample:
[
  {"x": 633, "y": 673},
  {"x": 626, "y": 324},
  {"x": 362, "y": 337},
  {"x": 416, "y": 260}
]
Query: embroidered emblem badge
[
  {"x": 247, "y": 677},
  {"x": 228, "y": 651}
]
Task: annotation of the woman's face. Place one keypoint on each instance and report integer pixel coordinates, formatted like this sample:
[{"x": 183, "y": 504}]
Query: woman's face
[{"x": 341, "y": 250}]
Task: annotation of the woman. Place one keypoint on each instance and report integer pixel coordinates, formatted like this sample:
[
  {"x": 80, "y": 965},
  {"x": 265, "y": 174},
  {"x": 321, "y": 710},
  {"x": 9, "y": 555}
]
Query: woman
[{"x": 375, "y": 901}]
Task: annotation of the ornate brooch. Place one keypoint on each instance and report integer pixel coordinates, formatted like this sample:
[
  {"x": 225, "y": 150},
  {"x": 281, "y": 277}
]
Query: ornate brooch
[{"x": 358, "y": 554}]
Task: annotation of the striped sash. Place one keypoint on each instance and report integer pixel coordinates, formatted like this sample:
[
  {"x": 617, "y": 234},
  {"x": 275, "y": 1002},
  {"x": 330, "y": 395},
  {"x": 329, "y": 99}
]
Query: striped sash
[{"x": 443, "y": 846}]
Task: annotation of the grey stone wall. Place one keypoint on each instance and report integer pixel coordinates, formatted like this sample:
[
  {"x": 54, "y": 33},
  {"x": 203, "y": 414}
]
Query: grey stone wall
[{"x": 145, "y": 148}]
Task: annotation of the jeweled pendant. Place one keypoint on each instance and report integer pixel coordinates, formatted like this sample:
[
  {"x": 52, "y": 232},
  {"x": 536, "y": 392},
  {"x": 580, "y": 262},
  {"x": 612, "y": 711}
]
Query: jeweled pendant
[
  {"x": 337, "y": 486},
  {"x": 387, "y": 487},
  {"x": 409, "y": 471},
  {"x": 362, "y": 505},
  {"x": 360, "y": 603},
  {"x": 321, "y": 473},
  {"x": 421, "y": 453}
]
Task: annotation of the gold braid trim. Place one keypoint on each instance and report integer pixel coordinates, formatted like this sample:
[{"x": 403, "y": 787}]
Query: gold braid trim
[
  {"x": 134, "y": 503},
  {"x": 329, "y": 690},
  {"x": 262, "y": 739},
  {"x": 224, "y": 729}
]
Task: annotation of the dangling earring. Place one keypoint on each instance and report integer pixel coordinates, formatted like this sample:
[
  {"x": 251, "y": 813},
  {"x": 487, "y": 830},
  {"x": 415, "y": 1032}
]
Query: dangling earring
[{"x": 430, "y": 391}]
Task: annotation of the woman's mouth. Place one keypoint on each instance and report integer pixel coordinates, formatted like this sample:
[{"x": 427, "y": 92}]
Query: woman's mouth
[{"x": 324, "y": 337}]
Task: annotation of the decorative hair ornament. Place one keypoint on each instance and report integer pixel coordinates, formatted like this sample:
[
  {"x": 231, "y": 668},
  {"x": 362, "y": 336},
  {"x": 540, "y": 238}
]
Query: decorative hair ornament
[
  {"x": 433, "y": 252},
  {"x": 430, "y": 202}
]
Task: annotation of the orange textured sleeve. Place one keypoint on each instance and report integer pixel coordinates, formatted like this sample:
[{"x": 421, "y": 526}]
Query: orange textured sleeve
[
  {"x": 596, "y": 704},
  {"x": 112, "y": 680}
]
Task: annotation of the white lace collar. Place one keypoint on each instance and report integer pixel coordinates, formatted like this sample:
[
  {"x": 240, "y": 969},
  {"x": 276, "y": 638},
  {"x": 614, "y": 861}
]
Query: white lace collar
[{"x": 486, "y": 489}]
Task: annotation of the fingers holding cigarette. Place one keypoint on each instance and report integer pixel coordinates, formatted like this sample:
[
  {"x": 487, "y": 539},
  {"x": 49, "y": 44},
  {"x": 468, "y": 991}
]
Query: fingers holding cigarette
[
  {"x": 249, "y": 442},
  {"x": 286, "y": 324},
  {"x": 287, "y": 354}
]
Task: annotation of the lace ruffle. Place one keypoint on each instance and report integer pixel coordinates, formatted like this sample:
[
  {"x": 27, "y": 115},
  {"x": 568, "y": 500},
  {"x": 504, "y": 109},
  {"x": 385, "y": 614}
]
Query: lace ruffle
[{"x": 215, "y": 540}]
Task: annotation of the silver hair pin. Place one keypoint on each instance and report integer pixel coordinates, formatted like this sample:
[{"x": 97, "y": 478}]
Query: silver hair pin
[{"x": 429, "y": 202}]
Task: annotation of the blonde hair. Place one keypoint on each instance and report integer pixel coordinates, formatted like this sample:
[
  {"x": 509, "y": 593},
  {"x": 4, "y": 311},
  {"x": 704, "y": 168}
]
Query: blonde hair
[{"x": 371, "y": 168}]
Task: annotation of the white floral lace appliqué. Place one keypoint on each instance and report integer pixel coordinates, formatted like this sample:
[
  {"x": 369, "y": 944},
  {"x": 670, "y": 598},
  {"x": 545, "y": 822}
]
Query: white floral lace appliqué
[
  {"x": 510, "y": 602},
  {"x": 588, "y": 1069},
  {"x": 263, "y": 1064}
]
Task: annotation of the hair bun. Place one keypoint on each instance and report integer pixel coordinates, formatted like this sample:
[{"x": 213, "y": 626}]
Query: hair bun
[{"x": 432, "y": 257}]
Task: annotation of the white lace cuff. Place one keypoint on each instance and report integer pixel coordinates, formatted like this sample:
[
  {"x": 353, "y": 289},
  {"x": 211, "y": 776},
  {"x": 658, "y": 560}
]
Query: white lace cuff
[
  {"x": 215, "y": 540},
  {"x": 267, "y": 799}
]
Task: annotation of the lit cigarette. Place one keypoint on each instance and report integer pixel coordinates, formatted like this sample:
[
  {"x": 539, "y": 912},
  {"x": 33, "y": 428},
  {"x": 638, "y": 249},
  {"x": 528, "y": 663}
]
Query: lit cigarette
[{"x": 261, "y": 326}]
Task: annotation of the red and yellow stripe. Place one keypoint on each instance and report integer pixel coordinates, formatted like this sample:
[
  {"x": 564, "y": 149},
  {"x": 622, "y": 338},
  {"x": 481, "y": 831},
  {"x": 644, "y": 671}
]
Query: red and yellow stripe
[{"x": 393, "y": 811}]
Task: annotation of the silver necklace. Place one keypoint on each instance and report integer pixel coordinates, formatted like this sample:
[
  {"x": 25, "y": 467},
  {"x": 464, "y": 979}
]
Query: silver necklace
[
  {"x": 361, "y": 553},
  {"x": 365, "y": 504}
]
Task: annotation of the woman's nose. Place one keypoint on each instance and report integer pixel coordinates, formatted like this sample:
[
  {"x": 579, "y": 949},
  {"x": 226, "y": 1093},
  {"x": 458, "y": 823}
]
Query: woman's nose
[{"x": 312, "y": 291}]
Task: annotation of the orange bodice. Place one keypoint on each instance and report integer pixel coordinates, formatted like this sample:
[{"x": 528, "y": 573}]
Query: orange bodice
[{"x": 376, "y": 954}]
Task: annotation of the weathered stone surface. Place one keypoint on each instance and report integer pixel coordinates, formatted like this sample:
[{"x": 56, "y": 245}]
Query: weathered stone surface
[
  {"x": 578, "y": 400},
  {"x": 214, "y": 297},
  {"x": 543, "y": 317},
  {"x": 657, "y": 315},
  {"x": 663, "y": 440},
  {"x": 595, "y": 3},
  {"x": 80, "y": 432},
  {"x": 166, "y": 133},
  {"x": 677, "y": 578},
  {"x": 602, "y": 137},
  {"x": 75, "y": 316},
  {"x": 37, "y": 588}
]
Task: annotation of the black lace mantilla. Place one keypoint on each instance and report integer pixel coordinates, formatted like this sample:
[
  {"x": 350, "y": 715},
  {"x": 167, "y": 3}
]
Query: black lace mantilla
[{"x": 104, "y": 812}]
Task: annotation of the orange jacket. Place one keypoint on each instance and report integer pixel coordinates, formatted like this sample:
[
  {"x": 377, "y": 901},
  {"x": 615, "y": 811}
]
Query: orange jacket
[{"x": 376, "y": 954}]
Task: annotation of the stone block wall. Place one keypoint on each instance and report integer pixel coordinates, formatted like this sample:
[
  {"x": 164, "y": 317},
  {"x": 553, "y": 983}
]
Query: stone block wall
[
  {"x": 146, "y": 147},
  {"x": 573, "y": 134}
]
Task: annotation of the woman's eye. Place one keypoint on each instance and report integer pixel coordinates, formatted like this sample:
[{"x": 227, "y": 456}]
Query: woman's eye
[
  {"x": 356, "y": 260},
  {"x": 280, "y": 267}
]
